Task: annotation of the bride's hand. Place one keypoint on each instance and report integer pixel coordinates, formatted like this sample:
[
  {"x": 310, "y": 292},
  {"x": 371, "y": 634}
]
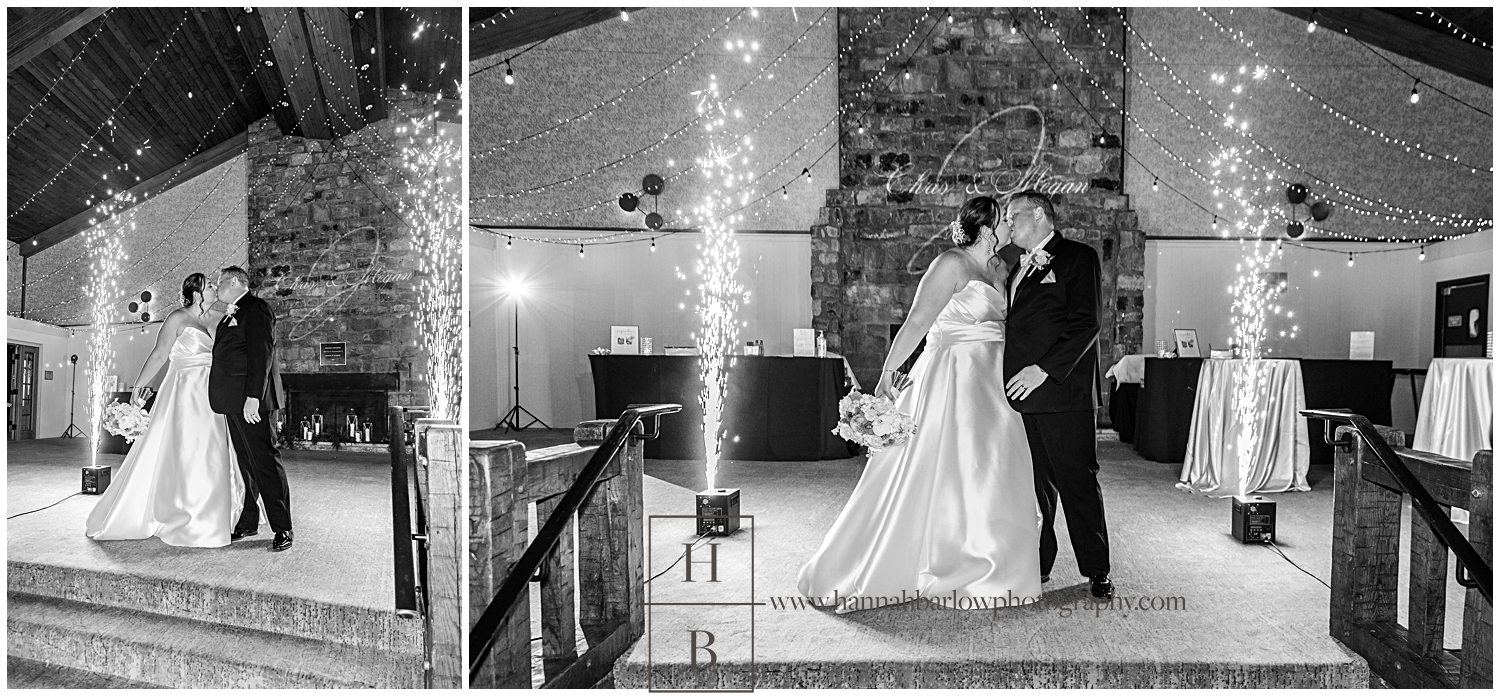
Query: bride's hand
[
  {"x": 891, "y": 384},
  {"x": 142, "y": 394}
]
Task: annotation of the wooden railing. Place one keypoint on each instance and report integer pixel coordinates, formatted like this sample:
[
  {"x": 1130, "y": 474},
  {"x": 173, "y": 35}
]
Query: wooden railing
[
  {"x": 427, "y": 536},
  {"x": 1372, "y": 471},
  {"x": 593, "y": 487}
]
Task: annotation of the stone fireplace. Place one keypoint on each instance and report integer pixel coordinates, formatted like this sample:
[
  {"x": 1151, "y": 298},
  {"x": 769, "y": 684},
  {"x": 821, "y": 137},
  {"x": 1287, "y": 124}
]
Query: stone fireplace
[{"x": 334, "y": 397}]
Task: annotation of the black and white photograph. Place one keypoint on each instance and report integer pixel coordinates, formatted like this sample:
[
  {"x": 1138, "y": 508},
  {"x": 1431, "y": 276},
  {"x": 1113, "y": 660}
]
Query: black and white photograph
[
  {"x": 235, "y": 340},
  {"x": 979, "y": 347}
]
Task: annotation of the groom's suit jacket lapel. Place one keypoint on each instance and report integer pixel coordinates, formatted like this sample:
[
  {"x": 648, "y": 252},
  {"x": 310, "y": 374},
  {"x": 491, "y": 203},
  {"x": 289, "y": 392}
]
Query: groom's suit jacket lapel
[{"x": 1036, "y": 275}]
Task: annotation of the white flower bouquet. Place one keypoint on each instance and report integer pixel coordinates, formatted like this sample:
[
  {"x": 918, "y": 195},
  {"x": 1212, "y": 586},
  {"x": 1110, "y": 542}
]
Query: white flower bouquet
[
  {"x": 125, "y": 419},
  {"x": 872, "y": 421}
]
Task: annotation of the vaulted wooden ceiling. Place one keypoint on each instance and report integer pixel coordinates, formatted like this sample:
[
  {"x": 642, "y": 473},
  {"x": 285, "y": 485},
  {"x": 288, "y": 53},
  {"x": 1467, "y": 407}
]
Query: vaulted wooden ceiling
[
  {"x": 146, "y": 98},
  {"x": 499, "y": 29}
]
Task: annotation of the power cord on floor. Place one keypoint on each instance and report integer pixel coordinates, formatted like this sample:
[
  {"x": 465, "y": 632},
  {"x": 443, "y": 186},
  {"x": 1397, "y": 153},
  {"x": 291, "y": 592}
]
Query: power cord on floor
[
  {"x": 28, "y": 512},
  {"x": 679, "y": 558},
  {"x": 1278, "y": 550}
]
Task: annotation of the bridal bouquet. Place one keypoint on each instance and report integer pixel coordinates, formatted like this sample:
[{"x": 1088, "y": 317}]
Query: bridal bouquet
[
  {"x": 125, "y": 419},
  {"x": 872, "y": 421}
]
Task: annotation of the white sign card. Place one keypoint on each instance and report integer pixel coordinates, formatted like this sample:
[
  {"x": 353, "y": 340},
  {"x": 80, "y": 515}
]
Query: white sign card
[
  {"x": 805, "y": 343},
  {"x": 1361, "y": 345},
  {"x": 625, "y": 340},
  {"x": 1187, "y": 343}
]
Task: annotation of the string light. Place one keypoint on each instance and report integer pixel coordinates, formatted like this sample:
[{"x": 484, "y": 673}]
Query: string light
[
  {"x": 510, "y": 75},
  {"x": 624, "y": 16},
  {"x": 1422, "y": 255},
  {"x": 1351, "y": 260},
  {"x": 1312, "y": 21},
  {"x": 1415, "y": 95},
  {"x": 67, "y": 69}
]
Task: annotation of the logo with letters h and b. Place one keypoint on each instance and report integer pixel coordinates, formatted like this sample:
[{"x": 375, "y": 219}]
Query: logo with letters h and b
[{"x": 700, "y": 606}]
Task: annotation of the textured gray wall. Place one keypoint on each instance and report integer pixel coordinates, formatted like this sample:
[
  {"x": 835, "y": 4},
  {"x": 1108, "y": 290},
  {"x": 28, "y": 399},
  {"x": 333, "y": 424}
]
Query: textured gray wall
[
  {"x": 197, "y": 226},
  {"x": 571, "y": 73}
]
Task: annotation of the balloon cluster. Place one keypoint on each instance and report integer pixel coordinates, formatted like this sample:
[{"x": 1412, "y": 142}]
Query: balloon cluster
[
  {"x": 1318, "y": 211},
  {"x": 143, "y": 306},
  {"x": 653, "y": 185}
]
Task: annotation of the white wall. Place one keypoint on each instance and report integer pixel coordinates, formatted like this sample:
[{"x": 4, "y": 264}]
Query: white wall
[
  {"x": 1392, "y": 294},
  {"x": 131, "y": 348},
  {"x": 574, "y": 301}
]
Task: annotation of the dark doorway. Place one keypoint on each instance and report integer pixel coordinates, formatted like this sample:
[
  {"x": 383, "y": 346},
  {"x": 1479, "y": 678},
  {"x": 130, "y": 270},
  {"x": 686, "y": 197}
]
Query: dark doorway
[
  {"x": 22, "y": 400},
  {"x": 1463, "y": 318}
]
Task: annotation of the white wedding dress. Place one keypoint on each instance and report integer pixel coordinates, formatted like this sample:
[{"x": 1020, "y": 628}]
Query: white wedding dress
[
  {"x": 181, "y": 482},
  {"x": 951, "y": 514}
]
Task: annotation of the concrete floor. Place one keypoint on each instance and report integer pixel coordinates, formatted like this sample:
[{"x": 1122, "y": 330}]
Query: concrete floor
[
  {"x": 1251, "y": 618},
  {"x": 341, "y": 513}
]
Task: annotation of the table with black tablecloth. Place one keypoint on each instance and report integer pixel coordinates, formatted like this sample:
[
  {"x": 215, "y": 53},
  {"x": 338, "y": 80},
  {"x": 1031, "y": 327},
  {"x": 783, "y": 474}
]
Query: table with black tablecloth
[
  {"x": 777, "y": 408},
  {"x": 1164, "y": 408}
]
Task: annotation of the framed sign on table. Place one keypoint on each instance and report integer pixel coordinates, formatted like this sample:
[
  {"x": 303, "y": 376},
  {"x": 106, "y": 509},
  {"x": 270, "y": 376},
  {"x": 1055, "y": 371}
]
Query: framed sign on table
[{"x": 1187, "y": 343}]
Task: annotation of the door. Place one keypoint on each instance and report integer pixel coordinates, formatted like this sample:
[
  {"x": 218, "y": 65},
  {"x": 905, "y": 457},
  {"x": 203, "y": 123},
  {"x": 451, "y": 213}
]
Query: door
[
  {"x": 1463, "y": 318},
  {"x": 21, "y": 405}
]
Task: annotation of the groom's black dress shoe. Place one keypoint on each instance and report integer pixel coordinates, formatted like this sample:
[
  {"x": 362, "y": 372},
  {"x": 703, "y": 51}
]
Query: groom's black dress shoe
[
  {"x": 1101, "y": 587},
  {"x": 238, "y": 534},
  {"x": 282, "y": 541}
]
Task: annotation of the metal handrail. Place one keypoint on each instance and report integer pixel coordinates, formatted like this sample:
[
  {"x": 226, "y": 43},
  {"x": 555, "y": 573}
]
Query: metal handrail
[
  {"x": 482, "y": 636},
  {"x": 407, "y": 541},
  {"x": 1478, "y": 575}
]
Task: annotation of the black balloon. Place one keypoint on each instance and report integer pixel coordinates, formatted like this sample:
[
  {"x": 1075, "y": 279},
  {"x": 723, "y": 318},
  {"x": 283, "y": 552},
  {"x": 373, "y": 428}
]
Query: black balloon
[
  {"x": 628, "y": 202},
  {"x": 654, "y": 221},
  {"x": 653, "y": 184},
  {"x": 145, "y": 316},
  {"x": 1294, "y": 229},
  {"x": 1321, "y": 210},
  {"x": 133, "y": 307},
  {"x": 145, "y": 295},
  {"x": 1296, "y": 193}
]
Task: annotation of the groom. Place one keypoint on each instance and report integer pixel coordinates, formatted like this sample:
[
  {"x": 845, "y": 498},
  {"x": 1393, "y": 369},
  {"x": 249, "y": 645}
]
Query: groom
[
  {"x": 1051, "y": 355},
  {"x": 245, "y": 385}
]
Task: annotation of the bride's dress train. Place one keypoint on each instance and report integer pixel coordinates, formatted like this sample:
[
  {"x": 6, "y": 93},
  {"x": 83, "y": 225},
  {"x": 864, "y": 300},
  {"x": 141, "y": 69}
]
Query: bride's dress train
[
  {"x": 951, "y": 514},
  {"x": 181, "y": 481}
]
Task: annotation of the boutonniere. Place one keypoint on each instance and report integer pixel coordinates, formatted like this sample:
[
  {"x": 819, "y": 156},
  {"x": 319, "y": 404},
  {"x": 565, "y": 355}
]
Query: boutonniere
[
  {"x": 1035, "y": 259},
  {"x": 229, "y": 312}
]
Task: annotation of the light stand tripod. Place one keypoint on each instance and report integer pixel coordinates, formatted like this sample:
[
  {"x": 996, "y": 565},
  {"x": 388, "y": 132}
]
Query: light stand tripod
[
  {"x": 512, "y": 419},
  {"x": 73, "y": 402}
]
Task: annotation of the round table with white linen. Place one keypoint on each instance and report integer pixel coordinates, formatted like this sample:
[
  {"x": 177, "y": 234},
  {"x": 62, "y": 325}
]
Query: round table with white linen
[
  {"x": 1279, "y": 458},
  {"x": 1457, "y": 405}
]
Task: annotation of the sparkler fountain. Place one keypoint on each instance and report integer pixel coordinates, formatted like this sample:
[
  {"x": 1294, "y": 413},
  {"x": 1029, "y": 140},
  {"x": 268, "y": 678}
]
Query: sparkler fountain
[
  {"x": 1253, "y": 292},
  {"x": 106, "y": 252},
  {"x": 432, "y": 208},
  {"x": 720, "y": 294}
]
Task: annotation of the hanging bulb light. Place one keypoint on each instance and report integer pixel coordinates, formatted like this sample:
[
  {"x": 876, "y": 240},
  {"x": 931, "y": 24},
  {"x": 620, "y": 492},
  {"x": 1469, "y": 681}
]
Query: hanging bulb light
[
  {"x": 1054, "y": 84},
  {"x": 507, "y": 243},
  {"x": 1415, "y": 95},
  {"x": 906, "y": 72},
  {"x": 580, "y": 251},
  {"x": 784, "y": 194},
  {"x": 510, "y": 75},
  {"x": 1154, "y": 184},
  {"x": 1312, "y": 22},
  {"x": 624, "y": 16},
  {"x": 1351, "y": 259},
  {"x": 1422, "y": 255},
  {"x": 950, "y": 17},
  {"x": 1014, "y": 26},
  {"x": 807, "y": 174},
  {"x": 653, "y": 245}
]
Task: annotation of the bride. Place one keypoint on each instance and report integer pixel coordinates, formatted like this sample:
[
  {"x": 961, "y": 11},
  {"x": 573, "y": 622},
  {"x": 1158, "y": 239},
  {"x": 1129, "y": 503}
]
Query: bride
[
  {"x": 180, "y": 482},
  {"x": 951, "y": 514}
]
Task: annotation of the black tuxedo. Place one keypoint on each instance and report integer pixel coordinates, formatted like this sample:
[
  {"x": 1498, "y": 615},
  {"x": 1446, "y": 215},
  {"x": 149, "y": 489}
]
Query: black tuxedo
[
  {"x": 245, "y": 366},
  {"x": 1053, "y": 323}
]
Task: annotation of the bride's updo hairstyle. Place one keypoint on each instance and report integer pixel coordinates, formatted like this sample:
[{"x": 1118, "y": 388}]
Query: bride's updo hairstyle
[
  {"x": 980, "y": 211},
  {"x": 191, "y": 284}
]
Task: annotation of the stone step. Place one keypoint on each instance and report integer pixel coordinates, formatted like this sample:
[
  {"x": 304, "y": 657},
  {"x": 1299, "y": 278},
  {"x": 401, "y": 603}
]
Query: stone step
[
  {"x": 21, "y": 673},
  {"x": 183, "y": 598},
  {"x": 177, "y": 652}
]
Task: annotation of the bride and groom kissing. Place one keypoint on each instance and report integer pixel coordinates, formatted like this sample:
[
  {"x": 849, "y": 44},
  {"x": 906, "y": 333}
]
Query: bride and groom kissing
[
  {"x": 193, "y": 477},
  {"x": 1003, "y": 400}
]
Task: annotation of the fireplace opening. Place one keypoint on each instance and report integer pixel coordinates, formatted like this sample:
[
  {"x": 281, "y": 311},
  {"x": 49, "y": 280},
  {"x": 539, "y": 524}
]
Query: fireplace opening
[{"x": 337, "y": 409}]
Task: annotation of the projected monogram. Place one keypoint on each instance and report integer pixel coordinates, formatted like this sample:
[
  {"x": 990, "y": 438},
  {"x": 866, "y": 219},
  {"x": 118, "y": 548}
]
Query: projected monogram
[
  {"x": 337, "y": 287},
  {"x": 998, "y": 182}
]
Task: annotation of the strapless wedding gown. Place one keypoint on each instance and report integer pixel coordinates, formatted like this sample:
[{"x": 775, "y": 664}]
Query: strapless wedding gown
[
  {"x": 951, "y": 514},
  {"x": 181, "y": 482}
]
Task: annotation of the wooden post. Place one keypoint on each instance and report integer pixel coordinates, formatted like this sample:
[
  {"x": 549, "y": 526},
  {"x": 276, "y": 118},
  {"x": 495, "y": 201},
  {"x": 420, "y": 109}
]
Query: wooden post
[
  {"x": 497, "y": 538},
  {"x": 1366, "y": 538},
  {"x": 1428, "y": 592},
  {"x": 441, "y": 448},
  {"x": 559, "y": 639},
  {"x": 1477, "y": 659},
  {"x": 611, "y": 552}
]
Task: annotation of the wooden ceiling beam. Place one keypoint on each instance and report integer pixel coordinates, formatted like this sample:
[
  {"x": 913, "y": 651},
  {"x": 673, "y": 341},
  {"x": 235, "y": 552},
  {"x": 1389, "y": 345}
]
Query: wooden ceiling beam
[
  {"x": 368, "y": 34},
  {"x": 1383, "y": 30},
  {"x": 27, "y": 37},
  {"x": 331, "y": 48},
  {"x": 529, "y": 25},
  {"x": 147, "y": 190},
  {"x": 254, "y": 40}
]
